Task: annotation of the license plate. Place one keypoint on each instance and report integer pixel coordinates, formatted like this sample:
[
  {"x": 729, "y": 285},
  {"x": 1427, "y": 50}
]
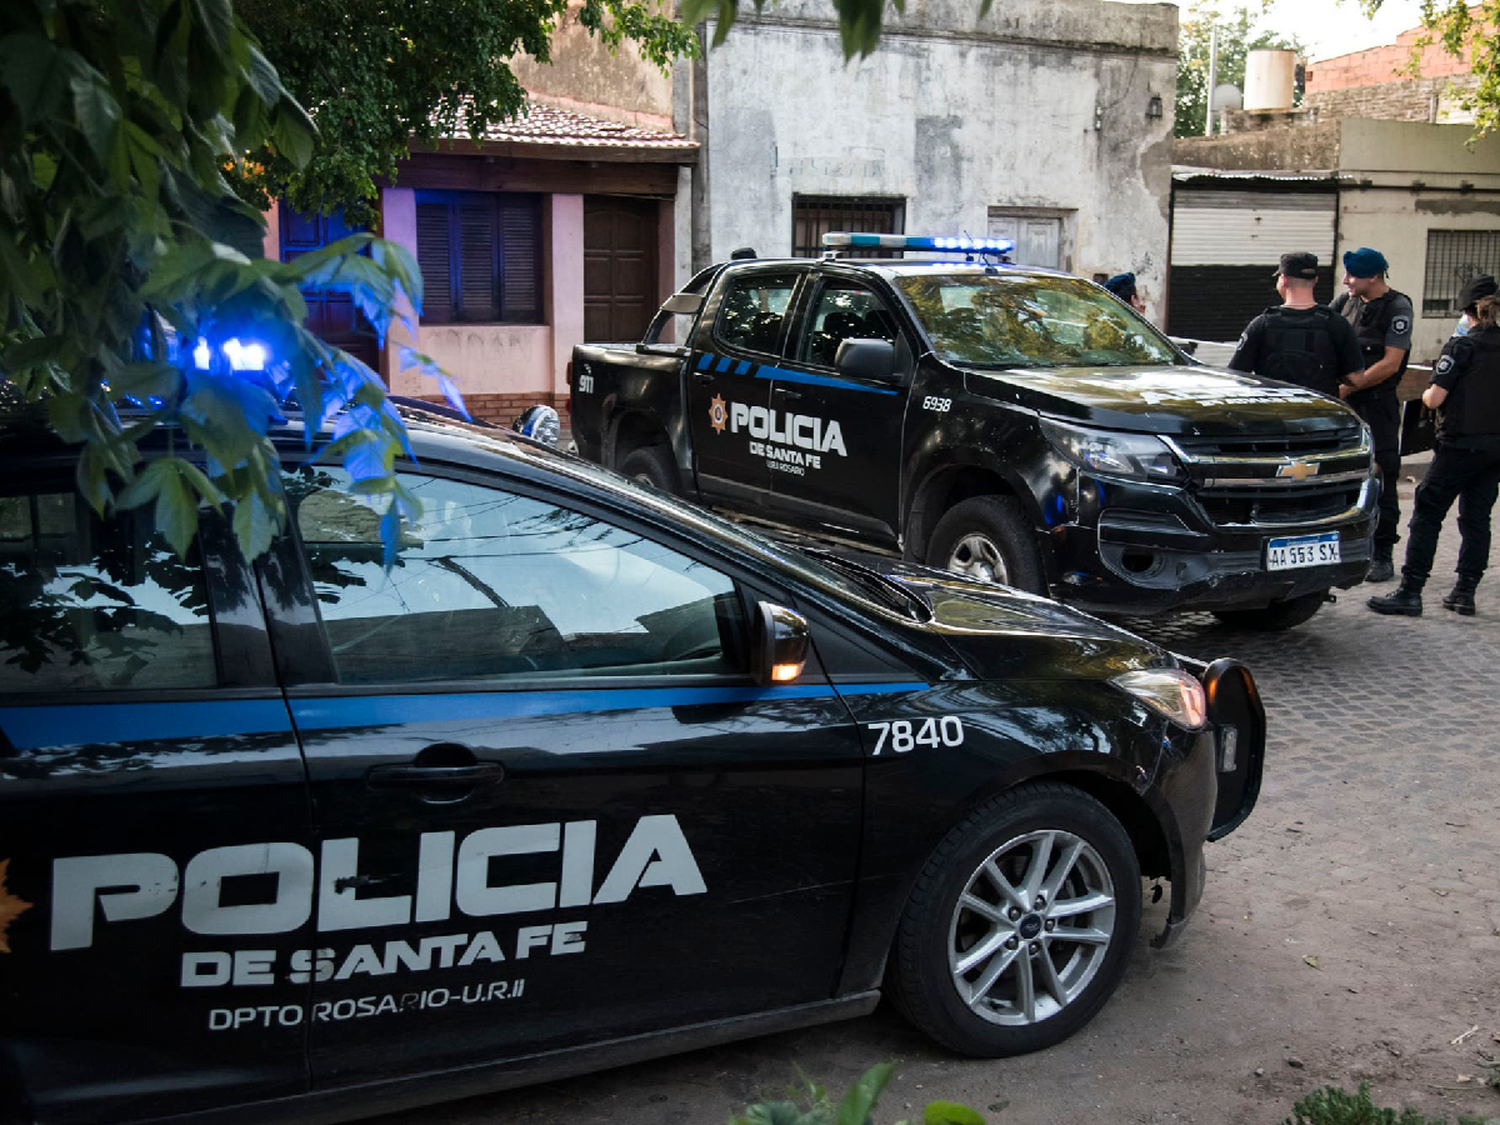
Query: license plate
[{"x": 1302, "y": 550}]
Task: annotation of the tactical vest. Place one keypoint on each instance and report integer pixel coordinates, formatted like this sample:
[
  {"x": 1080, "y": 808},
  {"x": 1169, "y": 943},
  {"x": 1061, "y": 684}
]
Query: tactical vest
[
  {"x": 1299, "y": 349},
  {"x": 1473, "y": 405},
  {"x": 1371, "y": 326}
]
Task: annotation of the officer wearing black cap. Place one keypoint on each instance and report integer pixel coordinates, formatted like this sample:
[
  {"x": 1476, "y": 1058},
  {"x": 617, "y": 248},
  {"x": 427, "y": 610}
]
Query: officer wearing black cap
[
  {"x": 1382, "y": 319},
  {"x": 1300, "y": 341},
  {"x": 1465, "y": 392}
]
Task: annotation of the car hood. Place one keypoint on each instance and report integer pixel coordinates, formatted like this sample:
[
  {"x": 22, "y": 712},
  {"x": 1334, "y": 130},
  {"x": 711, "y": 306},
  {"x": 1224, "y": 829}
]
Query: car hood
[
  {"x": 1163, "y": 400},
  {"x": 1004, "y": 634}
]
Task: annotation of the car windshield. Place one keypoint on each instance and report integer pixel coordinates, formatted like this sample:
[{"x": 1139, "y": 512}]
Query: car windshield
[{"x": 1020, "y": 320}]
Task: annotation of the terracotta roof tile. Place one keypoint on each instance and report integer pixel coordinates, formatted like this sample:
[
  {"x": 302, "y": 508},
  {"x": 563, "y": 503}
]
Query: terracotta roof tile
[{"x": 546, "y": 125}]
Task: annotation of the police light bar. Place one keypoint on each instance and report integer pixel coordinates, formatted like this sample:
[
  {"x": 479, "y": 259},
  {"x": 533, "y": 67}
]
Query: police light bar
[{"x": 841, "y": 240}]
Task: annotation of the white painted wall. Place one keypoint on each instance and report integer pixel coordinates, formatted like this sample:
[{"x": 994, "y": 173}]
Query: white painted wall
[{"x": 1043, "y": 104}]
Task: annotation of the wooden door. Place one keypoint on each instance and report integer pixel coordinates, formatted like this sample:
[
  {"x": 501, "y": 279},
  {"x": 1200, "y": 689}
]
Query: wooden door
[
  {"x": 331, "y": 316},
  {"x": 619, "y": 267}
]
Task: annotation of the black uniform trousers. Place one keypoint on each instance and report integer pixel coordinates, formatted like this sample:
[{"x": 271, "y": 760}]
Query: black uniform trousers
[
  {"x": 1473, "y": 477},
  {"x": 1382, "y": 413}
]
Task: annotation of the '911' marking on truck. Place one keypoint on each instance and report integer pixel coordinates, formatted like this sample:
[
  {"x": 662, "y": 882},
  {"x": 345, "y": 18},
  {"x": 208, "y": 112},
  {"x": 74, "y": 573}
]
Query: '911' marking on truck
[{"x": 905, "y": 736}]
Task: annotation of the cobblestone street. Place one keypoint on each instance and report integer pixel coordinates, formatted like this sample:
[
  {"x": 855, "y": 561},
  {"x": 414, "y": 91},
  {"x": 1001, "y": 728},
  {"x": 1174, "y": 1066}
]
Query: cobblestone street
[{"x": 1350, "y": 930}]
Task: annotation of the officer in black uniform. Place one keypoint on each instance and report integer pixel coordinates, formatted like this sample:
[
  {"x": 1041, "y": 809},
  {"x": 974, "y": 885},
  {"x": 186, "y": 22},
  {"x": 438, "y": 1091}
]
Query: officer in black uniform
[
  {"x": 1122, "y": 285},
  {"x": 1465, "y": 392},
  {"x": 1382, "y": 319},
  {"x": 1300, "y": 341}
]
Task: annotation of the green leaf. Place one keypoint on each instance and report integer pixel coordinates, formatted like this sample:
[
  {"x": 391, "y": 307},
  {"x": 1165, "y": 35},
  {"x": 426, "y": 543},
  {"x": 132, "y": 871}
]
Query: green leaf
[
  {"x": 30, "y": 74},
  {"x": 147, "y": 485},
  {"x": 950, "y": 1113},
  {"x": 858, "y": 1103},
  {"x": 97, "y": 113},
  {"x": 91, "y": 479},
  {"x": 147, "y": 380},
  {"x": 773, "y": 1113},
  {"x": 293, "y": 133},
  {"x": 216, "y": 20},
  {"x": 254, "y": 525},
  {"x": 176, "y": 507},
  {"x": 68, "y": 413}
]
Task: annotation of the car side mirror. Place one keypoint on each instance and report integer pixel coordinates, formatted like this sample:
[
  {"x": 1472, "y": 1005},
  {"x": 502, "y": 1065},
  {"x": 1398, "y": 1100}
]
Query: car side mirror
[
  {"x": 687, "y": 303},
  {"x": 866, "y": 359},
  {"x": 782, "y": 639}
]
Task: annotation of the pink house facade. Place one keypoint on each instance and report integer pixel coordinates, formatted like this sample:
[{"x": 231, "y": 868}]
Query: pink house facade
[{"x": 550, "y": 230}]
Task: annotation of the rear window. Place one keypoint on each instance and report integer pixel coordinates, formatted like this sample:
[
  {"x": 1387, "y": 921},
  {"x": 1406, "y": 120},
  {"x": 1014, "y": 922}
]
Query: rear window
[{"x": 90, "y": 604}]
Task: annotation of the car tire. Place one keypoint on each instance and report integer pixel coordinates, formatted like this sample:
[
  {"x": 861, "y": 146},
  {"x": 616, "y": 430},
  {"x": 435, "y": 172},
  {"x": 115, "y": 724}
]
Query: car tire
[
  {"x": 974, "y": 1002},
  {"x": 1276, "y": 617},
  {"x": 651, "y": 464},
  {"x": 988, "y": 538}
]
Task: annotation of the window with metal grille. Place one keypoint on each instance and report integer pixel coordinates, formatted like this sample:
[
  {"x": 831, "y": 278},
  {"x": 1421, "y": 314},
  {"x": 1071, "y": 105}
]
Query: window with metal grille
[
  {"x": 813, "y": 216},
  {"x": 1455, "y": 258},
  {"x": 481, "y": 257}
]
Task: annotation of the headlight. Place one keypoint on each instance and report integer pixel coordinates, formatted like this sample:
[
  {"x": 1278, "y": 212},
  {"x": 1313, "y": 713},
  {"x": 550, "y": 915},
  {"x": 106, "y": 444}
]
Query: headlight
[
  {"x": 1112, "y": 453},
  {"x": 1170, "y": 692}
]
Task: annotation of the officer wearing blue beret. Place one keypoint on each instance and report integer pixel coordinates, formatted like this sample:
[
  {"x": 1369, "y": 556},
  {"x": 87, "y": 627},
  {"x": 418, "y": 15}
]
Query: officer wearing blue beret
[
  {"x": 1382, "y": 319},
  {"x": 1122, "y": 285}
]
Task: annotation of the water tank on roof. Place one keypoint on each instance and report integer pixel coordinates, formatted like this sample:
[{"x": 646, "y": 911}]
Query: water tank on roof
[{"x": 1269, "y": 77}]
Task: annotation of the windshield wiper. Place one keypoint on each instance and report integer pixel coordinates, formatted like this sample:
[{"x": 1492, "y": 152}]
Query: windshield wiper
[{"x": 886, "y": 588}]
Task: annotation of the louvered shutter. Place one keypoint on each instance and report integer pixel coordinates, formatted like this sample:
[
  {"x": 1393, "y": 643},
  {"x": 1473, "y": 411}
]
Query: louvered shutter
[
  {"x": 435, "y": 261},
  {"x": 477, "y": 292},
  {"x": 521, "y": 261}
]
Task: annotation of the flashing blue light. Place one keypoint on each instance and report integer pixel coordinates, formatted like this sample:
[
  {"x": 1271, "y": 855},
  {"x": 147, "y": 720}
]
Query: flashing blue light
[
  {"x": 245, "y": 356},
  {"x": 242, "y": 355},
  {"x": 840, "y": 240}
]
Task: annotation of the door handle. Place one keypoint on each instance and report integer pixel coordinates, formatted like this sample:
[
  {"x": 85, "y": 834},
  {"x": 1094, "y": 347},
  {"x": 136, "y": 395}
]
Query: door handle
[
  {"x": 392, "y": 777},
  {"x": 703, "y": 376},
  {"x": 788, "y": 394}
]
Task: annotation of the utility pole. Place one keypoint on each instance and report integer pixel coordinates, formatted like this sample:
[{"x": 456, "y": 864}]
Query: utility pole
[{"x": 1213, "y": 78}]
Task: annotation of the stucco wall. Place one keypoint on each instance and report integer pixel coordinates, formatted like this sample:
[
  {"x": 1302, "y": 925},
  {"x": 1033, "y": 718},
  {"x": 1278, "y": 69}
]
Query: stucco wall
[
  {"x": 1403, "y": 146},
  {"x": 1040, "y": 105},
  {"x": 1300, "y": 149}
]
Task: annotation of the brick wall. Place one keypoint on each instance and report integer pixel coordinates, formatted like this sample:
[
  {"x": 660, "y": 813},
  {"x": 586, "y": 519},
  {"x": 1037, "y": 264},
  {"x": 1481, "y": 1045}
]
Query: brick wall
[
  {"x": 1409, "y": 100},
  {"x": 502, "y": 410},
  {"x": 1380, "y": 65}
]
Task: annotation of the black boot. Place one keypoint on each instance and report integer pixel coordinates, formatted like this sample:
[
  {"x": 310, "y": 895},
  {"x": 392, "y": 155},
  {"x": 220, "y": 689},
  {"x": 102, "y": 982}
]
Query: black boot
[
  {"x": 1382, "y": 566},
  {"x": 1405, "y": 601},
  {"x": 1461, "y": 598}
]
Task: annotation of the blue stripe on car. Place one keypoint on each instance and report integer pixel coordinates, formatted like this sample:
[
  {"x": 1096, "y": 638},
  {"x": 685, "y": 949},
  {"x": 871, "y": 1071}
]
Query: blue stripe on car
[
  {"x": 29, "y": 728},
  {"x": 782, "y": 374}
]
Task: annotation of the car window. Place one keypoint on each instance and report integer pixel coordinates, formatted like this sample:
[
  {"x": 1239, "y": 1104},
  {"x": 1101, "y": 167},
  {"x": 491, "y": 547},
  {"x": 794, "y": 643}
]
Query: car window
[
  {"x": 1023, "y": 320},
  {"x": 490, "y": 584},
  {"x": 90, "y": 604},
  {"x": 753, "y": 310},
  {"x": 844, "y": 311}
]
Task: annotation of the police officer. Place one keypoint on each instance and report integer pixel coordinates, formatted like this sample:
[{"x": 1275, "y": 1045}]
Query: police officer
[
  {"x": 1300, "y": 341},
  {"x": 1382, "y": 319},
  {"x": 1122, "y": 285},
  {"x": 1465, "y": 392}
]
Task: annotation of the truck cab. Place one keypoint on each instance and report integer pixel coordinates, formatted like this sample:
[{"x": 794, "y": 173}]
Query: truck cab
[{"x": 1017, "y": 425}]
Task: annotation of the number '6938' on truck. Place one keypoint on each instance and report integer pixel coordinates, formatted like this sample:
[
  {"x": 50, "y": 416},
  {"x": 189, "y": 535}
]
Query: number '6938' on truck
[{"x": 1016, "y": 425}]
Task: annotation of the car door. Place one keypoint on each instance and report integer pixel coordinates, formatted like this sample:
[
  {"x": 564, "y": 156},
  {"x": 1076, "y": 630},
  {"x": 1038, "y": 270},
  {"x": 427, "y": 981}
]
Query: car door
[
  {"x": 154, "y": 829},
  {"x": 729, "y": 398},
  {"x": 837, "y": 443},
  {"x": 553, "y": 808}
]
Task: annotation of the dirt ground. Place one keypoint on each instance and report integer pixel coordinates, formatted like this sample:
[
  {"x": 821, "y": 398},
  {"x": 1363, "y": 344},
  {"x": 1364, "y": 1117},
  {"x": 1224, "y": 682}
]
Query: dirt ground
[{"x": 1350, "y": 930}]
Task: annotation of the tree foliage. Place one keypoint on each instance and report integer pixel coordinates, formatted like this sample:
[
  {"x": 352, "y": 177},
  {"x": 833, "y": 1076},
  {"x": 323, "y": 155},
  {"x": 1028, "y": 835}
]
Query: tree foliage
[
  {"x": 1463, "y": 29},
  {"x": 1237, "y": 38},
  {"x": 127, "y": 262},
  {"x": 378, "y": 74}
]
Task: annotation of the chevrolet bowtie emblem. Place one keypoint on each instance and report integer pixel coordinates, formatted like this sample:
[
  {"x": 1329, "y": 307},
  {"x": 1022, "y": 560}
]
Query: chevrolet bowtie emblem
[{"x": 1298, "y": 470}]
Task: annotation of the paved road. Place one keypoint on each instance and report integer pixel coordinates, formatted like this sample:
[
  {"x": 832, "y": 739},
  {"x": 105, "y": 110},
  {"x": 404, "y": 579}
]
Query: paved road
[{"x": 1375, "y": 853}]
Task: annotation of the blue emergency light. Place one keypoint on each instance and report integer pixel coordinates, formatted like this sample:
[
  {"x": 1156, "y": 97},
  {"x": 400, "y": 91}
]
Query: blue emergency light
[
  {"x": 842, "y": 240},
  {"x": 242, "y": 355}
]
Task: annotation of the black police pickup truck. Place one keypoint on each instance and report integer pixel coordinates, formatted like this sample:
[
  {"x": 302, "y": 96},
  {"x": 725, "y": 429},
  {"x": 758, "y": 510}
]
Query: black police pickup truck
[
  {"x": 1017, "y": 425},
  {"x": 589, "y": 776}
]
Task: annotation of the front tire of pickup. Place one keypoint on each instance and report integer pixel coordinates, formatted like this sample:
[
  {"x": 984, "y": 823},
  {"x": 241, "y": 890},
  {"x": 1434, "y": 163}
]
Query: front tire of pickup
[
  {"x": 1276, "y": 617},
  {"x": 651, "y": 464},
  {"x": 988, "y": 538}
]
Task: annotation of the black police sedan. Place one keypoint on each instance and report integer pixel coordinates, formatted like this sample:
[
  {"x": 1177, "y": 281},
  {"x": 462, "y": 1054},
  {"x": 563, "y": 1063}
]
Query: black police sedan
[{"x": 588, "y": 776}]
